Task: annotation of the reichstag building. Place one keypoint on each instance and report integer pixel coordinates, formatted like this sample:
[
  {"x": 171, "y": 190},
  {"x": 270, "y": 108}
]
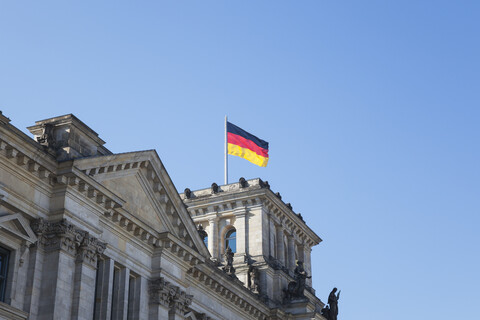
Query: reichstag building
[{"x": 88, "y": 234}]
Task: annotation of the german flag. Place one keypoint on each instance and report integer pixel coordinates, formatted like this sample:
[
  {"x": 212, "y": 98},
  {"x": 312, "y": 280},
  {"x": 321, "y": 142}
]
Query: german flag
[{"x": 246, "y": 145}]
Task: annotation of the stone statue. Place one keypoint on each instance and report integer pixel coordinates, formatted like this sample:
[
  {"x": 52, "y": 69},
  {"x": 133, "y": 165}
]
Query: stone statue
[
  {"x": 188, "y": 193},
  {"x": 229, "y": 269},
  {"x": 47, "y": 138},
  {"x": 201, "y": 232},
  {"x": 243, "y": 182},
  {"x": 214, "y": 188},
  {"x": 253, "y": 281},
  {"x": 296, "y": 288},
  {"x": 326, "y": 312},
  {"x": 333, "y": 302},
  {"x": 300, "y": 277}
]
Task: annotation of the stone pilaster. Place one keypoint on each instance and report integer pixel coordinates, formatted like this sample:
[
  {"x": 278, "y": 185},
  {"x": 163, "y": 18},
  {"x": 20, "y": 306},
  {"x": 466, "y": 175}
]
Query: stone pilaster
[
  {"x": 159, "y": 291},
  {"x": 213, "y": 237},
  {"x": 70, "y": 258},
  {"x": 34, "y": 281},
  {"x": 280, "y": 245},
  {"x": 168, "y": 301},
  {"x": 241, "y": 227},
  {"x": 85, "y": 274},
  {"x": 308, "y": 264},
  {"x": 180, "y": 301},
  {"x": 291, "y": 253}
]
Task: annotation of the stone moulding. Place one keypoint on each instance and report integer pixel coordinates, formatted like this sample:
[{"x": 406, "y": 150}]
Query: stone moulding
[
  {"x": 255, "y": 193},
  {"x": 225, "y": 291},
  {"x": 20, "y": 159},
  {"x": 150, "y": 168}
]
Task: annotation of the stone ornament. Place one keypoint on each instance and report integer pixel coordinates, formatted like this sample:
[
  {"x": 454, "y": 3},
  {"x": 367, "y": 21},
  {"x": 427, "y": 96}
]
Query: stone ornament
[
  {"x": 201, "y": 232},
  {"x": 47, "y": 138},
  {"x": 331, "y": 312},
  {"x": 62, "y": 235},
  {"x": 296, "y": 288},
  {"x": 214, "y": 188},
  {"x": 253, "y": 279},
  {"x": 170, "y": 296},
  {"x": 229, "y": 269}
]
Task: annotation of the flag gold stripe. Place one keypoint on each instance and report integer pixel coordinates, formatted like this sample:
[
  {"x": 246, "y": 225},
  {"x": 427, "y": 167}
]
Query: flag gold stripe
[{"x": 247, "y": 154}]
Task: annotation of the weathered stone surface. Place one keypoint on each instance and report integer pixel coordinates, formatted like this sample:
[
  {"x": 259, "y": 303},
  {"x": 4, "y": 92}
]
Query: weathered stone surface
[{"x": 105, "y": 235}]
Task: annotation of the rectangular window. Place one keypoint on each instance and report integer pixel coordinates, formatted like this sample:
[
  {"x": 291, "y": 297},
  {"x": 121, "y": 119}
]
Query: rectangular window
[{"x": 4, "y": 257}]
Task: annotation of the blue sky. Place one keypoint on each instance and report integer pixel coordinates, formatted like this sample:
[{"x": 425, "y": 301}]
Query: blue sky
[{"x": 371, "y": 109}]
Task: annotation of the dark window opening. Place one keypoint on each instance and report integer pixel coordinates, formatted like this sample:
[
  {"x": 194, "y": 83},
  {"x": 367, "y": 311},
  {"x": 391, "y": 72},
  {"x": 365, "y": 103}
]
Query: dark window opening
[
  {"x": 231, "y": 240},
  {"x": 4, "y": 257}
]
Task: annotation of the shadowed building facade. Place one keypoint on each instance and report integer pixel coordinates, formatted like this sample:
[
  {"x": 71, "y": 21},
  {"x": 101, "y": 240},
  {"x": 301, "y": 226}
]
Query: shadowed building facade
[{"x": 88, "y": 234}]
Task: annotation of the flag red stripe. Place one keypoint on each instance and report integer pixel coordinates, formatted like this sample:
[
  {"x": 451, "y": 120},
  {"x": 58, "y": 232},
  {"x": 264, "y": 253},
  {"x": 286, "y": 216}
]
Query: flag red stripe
[{"x": 245, "y": 143}]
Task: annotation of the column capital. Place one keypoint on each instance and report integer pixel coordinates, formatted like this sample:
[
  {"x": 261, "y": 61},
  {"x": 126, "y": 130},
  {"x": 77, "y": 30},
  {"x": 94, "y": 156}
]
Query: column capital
[
  {"x": 65, "y": 236},
  {"x": 164, "y": 293}
]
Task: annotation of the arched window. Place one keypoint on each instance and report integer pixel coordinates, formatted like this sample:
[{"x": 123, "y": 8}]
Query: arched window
[
  {"x": 205, "y": 240},
  {"x": 231, "y": 240}
]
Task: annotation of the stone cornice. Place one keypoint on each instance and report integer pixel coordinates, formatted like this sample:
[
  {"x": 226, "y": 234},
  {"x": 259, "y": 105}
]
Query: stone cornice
[
  {"x": 230, "y": 289},
  {"x": 163, "y": 190},
  {"x": 25, "y": 145},
  {"x": 29, "y": 160},
  {"x": 254, "y": 193}
]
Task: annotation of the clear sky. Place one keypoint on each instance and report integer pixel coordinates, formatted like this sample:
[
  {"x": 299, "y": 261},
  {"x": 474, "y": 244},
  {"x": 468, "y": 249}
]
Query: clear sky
[{"x": 371, "y": 109}]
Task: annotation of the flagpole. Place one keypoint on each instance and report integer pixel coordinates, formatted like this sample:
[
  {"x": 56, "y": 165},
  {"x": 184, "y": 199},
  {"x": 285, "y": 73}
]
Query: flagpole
[{"x": 226, "y": 152}]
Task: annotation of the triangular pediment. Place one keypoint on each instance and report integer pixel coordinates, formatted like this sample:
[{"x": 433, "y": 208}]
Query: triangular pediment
[
  {"x": 140, "y": 179},
  {"x": 139, "y": 199},
  {"x": 17, "y": 225}
]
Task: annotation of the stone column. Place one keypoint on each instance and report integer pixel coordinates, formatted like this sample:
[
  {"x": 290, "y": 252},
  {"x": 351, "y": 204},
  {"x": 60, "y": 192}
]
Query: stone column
[
  {"x": 159, "y": 302},
  {"x": 84, "y": 281},
  {"x": 280, "y": 245},
  {"x": 241, "y": 226},
  {"x": 291, "y": 252},
  {"x": 104, "y": 292},
  {"x": 213, "y": 237},
  {"x": 34, "y": 280},
  {"x": 301, "y": 253},
  {"x": 120, "y": 293},
  {"x": 17, "y": 292},
  {"x": 308, "y": 264},
  {"x": 60, "y": 241}
]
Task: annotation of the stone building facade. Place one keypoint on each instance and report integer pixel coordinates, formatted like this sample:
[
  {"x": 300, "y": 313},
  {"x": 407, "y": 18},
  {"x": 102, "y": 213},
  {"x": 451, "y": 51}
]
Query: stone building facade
[{"x": 88, "y": 234}]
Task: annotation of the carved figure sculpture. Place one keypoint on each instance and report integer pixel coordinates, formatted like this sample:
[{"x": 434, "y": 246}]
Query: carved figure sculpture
[
  {"x": 243, "y": 182},
  {"x": 214, "y": 188},
  {"x": 47, "y": 139},
  {"x": 201, "y": 232},
  {"x": 229, "y": 269},
  {"x": 296, "y": 288},
  {"x": 333, "y": 302},
  {"x": 188, "y": 193},
  {"x": 253, "y": 279},
  {"x": 326, "y": 312}
]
